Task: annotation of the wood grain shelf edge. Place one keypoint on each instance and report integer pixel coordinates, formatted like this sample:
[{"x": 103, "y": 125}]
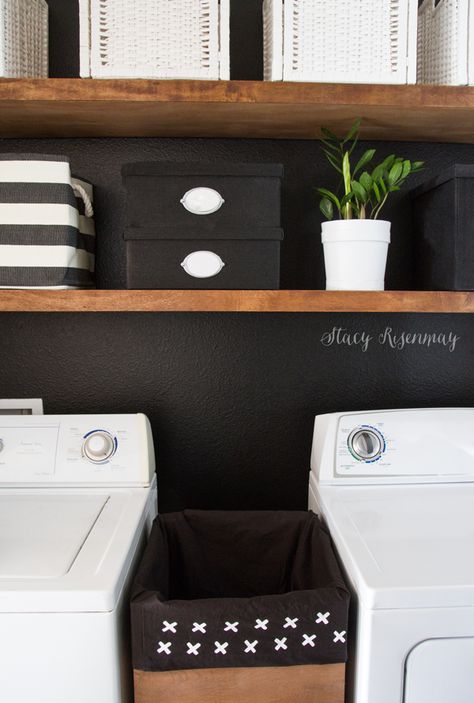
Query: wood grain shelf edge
[
  {"x": 57, "y": 107},
  {"x": 271, "y": 301}
]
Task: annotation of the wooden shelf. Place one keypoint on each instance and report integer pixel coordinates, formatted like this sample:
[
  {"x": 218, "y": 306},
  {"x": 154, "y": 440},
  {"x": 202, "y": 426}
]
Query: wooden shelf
[
  {"x": 235, "y": 301},
  {"x": 57, "y": 107}
]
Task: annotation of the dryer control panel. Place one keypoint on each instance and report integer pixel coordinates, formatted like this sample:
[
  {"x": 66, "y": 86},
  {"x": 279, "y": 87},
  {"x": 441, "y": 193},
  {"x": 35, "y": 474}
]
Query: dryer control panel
[
  {"x": 394, "y": 446},
  {"x": 76, "y": 450}
]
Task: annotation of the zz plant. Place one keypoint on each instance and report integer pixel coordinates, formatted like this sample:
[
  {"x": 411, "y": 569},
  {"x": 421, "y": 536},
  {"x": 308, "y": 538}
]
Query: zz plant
[{"x": 362, "y": 192}]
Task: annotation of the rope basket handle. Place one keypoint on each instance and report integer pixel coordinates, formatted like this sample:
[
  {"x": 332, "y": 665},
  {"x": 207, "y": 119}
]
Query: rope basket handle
[{"x": 80, "y": 192}]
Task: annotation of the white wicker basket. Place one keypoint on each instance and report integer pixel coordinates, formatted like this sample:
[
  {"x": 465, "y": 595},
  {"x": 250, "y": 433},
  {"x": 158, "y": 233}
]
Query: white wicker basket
[
  {"x": 347, "y": 41},
  {"x": 23, "y": 39},
  {"x": 154, "y": 39},
  {"x": 446, "y": 42}
]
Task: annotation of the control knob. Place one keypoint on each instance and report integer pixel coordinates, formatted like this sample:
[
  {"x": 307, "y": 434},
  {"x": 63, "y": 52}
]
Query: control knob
[
  {"x": 99, "y": 446},
  {"x": 366, "y": 443}
]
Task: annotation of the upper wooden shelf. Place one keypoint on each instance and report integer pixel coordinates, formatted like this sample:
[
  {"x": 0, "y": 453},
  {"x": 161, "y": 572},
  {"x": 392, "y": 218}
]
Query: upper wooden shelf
[
  {"x": 234, "y": 301},
  {"x": 57, "y": 107}
]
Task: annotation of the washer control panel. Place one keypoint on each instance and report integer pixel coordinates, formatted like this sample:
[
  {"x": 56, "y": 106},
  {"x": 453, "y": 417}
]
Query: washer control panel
[
  {"x": 79, "y": 450},
  {"x": 394, "y": 446}
]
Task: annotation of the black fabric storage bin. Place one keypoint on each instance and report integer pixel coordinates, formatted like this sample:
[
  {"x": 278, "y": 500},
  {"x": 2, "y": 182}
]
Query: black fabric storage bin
[
  {"x": 445, "y": 230},
  {"x": 155, "y": 190},
  {"x": 237, "y": 242},
  {"x": 238, "y": 589}
]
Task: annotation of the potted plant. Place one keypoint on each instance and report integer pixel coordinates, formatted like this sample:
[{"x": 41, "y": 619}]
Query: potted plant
[{"x": 356, "y": 244}]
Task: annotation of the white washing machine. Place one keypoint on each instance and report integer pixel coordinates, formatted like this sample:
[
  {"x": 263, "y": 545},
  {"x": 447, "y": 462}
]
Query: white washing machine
[
  {"x": 396, "y": 489},
  {"x": 77, "y": 498}
]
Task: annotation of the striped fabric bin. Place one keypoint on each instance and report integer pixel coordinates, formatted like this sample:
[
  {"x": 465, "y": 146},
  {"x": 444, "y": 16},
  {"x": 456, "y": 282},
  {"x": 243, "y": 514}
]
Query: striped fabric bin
[{"x": 47, "y": 236}]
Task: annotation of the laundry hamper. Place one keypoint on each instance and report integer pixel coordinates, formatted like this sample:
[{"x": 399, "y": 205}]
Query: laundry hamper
[
  {"x": 47, "y": 237},
  {"x": 239, "y": 606},
  {"x": 23, "y": 39},
  {"x": 446, "y": 42},
  {"x": 154, "y": 39},
  {"x": 368, "y": 41}
]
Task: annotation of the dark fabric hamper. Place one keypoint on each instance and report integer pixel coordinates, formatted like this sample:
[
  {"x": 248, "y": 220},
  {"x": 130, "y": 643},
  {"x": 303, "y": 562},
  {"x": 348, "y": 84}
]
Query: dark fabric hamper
[
  {"x": 225, "y": 580},
  {"x": 244, "y": 231}
]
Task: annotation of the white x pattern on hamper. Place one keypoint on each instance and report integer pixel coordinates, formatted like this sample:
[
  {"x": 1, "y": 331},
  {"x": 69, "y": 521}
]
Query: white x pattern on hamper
[{"x": 280, "y": 643}]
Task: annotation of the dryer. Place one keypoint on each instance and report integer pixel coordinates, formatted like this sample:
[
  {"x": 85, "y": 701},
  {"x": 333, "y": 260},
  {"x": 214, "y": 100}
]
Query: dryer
[
  {"x": 77, "y": 498},
  {"x": 396, "y": 489}
]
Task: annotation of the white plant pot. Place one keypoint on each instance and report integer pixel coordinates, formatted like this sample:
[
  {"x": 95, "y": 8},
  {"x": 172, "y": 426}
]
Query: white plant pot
[{"x": 355, "y": 254}]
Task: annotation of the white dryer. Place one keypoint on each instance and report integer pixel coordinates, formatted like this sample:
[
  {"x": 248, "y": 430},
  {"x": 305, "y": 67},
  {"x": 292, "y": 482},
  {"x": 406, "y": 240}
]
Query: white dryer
[
  {"x": 77, "y": 498},
  {"x": 396, "y": 489}
]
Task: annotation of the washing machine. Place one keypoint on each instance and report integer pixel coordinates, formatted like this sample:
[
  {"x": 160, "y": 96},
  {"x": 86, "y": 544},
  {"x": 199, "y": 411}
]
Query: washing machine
[
  {"x": 77, "y": 498},
  {"x": 396, "y": 489}
]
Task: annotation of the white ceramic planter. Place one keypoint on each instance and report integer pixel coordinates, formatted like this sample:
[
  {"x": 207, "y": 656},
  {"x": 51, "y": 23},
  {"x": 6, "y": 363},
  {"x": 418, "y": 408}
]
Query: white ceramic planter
[{"x": 355, "y": 254}]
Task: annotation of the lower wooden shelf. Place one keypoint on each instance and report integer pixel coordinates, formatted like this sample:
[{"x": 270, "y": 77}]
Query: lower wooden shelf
[{"x": 235, "y": 301}]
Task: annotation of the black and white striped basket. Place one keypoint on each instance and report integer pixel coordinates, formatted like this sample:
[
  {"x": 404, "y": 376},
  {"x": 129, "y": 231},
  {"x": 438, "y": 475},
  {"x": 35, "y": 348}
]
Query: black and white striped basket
[{"x": 47, "y": 235}]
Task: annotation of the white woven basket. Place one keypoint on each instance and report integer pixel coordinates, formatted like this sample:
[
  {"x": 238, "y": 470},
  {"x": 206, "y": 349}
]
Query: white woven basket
[
  {"x": 446, "y": 42},
  {"x": 347, "y": 41},
  {"x": 154, "y": 39},
  {"x": 23, "y": 39}
]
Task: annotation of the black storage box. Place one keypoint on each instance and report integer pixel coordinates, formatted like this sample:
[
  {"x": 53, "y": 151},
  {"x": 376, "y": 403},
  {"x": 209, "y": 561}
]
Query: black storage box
[
  {"x": 203, "y": 225},
  {"x": 445, "y": 230},
  {"x": 233, "y": 589}
]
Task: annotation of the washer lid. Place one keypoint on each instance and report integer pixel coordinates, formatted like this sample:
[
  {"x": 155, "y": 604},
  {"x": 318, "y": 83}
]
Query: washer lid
[
  {"x": 405, "y": 546},
  {"x": 40, "y": 537},
  {"x": 69, "y": 550}
]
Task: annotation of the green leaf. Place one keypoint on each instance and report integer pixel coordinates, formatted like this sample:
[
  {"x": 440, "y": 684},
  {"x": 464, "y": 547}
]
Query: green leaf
[
  {"x": 330, "y": 135},
  {"x": 395, "y": 173},
  {"x": 353, "y": 145},
  {"x": 360, "y": 192},
  {"x": 388, "y": 162},
  {"x": 353, "y": 130},
  {"x": 330, "y": 145},
  {"x": 366, "y": 181},
  {"x": 417, "y": 166},
  {"x": 364, "y": 160},
  {"x": 376, "y": 191},
  {"x": 346, "y": 199},
  {"x": 346, "y": 172},
  {"x": 406, "y": 169},
  {"x": 327, "y": 194},
  {"x": 378, "y": 172},
  {"x": 333, "y": 161},
  {"x": 381, "y": 184},
  {"x": 327, "y": 208}
]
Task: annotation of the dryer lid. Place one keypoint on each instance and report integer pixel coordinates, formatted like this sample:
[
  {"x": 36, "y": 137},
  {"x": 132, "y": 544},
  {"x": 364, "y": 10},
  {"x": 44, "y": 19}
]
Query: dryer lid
[{"x": 405, "y": 546}]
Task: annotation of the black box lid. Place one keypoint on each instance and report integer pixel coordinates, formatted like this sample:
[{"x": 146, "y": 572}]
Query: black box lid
[
  {"x": 173, "y": 168},
  {"x": 455, "y": 171},
  {"x": 190, "y": 233}
]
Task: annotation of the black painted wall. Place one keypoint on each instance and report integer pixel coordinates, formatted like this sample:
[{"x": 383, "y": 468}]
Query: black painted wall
[{"x": 231, "y": 397}]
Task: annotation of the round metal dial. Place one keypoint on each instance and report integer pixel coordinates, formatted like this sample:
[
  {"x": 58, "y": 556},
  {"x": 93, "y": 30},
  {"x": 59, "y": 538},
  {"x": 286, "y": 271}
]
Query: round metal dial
[
  {"x": 98, "y": 446},
  {"x": 366, "y": 444}
]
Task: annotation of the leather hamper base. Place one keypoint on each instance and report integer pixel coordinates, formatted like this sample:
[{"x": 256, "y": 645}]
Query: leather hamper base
[{"x": 314, "y": 683}]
